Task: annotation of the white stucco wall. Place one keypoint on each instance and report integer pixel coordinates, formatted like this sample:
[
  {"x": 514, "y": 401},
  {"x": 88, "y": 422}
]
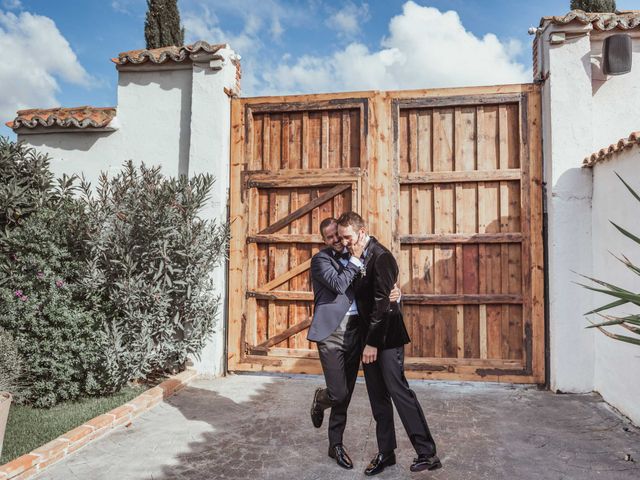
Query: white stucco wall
[
  {"x": 567, "y": 139},
  {"x": 152, "y": 126},
  {"x": 173, "y": 115},
  {"x": 210, "y": 153},
  {"x": 583, "y": 111},
  {"x": 617, "y": 363}
]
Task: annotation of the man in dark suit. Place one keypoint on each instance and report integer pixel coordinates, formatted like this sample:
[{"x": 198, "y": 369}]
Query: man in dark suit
[
  {"x": 338, "y": 331},
  {"x": 383, "y": 354}
]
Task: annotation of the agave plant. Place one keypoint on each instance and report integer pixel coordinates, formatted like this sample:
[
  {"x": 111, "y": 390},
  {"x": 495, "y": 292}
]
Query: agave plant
[{"x": 622, "y": 296}]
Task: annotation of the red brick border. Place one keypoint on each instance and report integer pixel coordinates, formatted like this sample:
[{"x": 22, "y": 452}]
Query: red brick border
[{"x": 36, "y": 461}]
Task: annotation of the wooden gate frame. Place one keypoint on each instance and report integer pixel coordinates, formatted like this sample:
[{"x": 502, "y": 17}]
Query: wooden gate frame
[{"x": 378, "y": 110}]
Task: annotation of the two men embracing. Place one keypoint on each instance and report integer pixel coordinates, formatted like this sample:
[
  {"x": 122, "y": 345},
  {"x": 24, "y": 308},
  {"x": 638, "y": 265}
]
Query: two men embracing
[{"x": 358, "y": 316}]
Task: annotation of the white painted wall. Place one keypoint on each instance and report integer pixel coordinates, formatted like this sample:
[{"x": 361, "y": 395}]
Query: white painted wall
[
  {"x": 617, "y": 363},
  {"x": 172, "y": 116},
  {"x": 210, "y": 153},
  {"x": 583, "y": 111},
  {"x": 567, "y": 139}
]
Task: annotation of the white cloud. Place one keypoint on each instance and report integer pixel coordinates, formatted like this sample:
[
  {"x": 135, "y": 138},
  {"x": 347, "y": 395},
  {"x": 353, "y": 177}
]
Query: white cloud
[
  {"x": 12, "y": 4},
  {"x": 348, "y": 20},
  {"x": 424, "y": 48},
  {"x": 40, "y": 56},
  {"x": 120, "y": 6}
]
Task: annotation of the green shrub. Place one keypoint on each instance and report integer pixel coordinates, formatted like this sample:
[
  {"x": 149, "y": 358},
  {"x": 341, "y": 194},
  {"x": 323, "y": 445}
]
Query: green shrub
[
  {"x": 149, "y": 258},
  {"x": 594, "y": 5},
  {"x": 10, "y": 363},
  {"x": 57, "y": 337},
  {"x": 101, "y": 287}
]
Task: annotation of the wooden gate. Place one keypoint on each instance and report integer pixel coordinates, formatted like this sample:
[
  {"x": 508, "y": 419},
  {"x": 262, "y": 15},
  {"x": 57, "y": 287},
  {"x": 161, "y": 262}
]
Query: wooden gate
[{"x": 449, "y": 179}]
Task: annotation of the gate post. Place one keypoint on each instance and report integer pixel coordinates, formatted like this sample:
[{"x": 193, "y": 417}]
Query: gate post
[{"x": 213, "y": 83}]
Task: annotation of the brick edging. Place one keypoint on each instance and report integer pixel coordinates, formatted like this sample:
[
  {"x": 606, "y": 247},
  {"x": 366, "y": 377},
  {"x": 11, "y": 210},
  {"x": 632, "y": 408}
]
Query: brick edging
[{"x": 36, "y": 461}]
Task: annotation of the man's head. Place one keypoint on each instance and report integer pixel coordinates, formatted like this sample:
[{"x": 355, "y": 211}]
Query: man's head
[
  {"x": 351, "y": 228},
  {"x": 329, "y": 232}
]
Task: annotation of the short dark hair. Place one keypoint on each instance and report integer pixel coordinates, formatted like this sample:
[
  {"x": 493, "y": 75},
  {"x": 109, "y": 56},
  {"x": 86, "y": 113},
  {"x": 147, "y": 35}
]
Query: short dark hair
[
  {"x": 351, "y": 219},
  {"x": 325, "y": 223}
]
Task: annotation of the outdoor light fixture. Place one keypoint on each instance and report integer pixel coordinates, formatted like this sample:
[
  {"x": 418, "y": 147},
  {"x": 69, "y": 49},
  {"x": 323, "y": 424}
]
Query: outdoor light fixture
[{"x": 616, "y": 54}]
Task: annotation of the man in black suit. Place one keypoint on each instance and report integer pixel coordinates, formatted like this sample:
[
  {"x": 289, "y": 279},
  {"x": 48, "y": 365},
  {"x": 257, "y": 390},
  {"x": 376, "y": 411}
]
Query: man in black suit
[
  {"x": 338, "y": 331},
  {"x": 383, "y": 354}
]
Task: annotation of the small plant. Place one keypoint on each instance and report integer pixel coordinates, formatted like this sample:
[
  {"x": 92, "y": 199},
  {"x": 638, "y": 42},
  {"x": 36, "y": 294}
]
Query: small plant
[
  {"x": 622, "y": 296},
  {"x": 10, "y": 363},
  {"x": 596, "y": 6}
]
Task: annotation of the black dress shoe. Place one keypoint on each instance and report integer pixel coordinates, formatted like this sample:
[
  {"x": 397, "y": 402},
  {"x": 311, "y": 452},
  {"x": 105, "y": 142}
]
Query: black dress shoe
[
  {"x": 317, "y": 413},
  {"x": 340, "y": 454},
  {"x": 379, "y": 463},
  {"x": 424, "y": 462}
]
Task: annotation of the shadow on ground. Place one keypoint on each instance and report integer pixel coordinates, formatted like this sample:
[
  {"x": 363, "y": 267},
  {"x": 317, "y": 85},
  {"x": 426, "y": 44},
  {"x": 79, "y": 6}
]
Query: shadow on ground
[{"x": 257, "y": 427}]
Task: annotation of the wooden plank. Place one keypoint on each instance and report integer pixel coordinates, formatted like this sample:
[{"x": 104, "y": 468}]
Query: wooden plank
[
  {"x": 237, "y": 246},
  {"x": 266, "y": 142},
  {"x": 459, "y": 100},
  {"x": 258, "y": 312},
  {"x": 483, "y": 331},
  {"x": 464, "y": 176},
  {"x": 309, "y": 103},
  {"x": 536, "y": 267},
  {"x": 275, "y": 142},
  {"x": 424, "y": 141},
  {"x": 304, "y": 209},
  {"x": 494, "y": 331},
  {"x": 289, "y": 332},
  {"x": 458, "y": 238},
  {"x": 460, "y": 331},
  {"x": 286, "y": 238},
  {"x": 354, "y": 138},
  {"x": 345, "y": 145},
  {"x": 463, "y": 362},
  {"x": 466, "y": 299},
  {"x": 324, "y": 145},
  {"x": 314, "y": 140},
  {"x": 295, "y": 141},
  {"x": 281, "y": 262},
  {"x": 276, "y": 282},
  {"x": 297, "y": 178},
  {"x": 413, "y": 140},
  {"x": 305, "y": 140},
  {"x": 282, "y": 295},
  {"x": 403, "y": 142},
  {"x": 284, "y": 143},
  {"x": 471, "y": 332}
]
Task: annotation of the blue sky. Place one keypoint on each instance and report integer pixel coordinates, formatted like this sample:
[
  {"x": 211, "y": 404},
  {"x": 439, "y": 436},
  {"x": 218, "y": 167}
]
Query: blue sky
[{"x": 56, "y": 53}]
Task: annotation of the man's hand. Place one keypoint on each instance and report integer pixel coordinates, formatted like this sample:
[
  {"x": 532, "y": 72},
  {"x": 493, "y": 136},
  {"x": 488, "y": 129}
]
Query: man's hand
[
  {"x": 370, "y": 354},
  {"x": 394, "y": 296},
  {"x": 357, "y": 248}
]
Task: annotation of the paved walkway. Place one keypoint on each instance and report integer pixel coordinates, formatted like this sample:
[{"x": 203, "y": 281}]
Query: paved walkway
[{"x": 258, "y": 427}]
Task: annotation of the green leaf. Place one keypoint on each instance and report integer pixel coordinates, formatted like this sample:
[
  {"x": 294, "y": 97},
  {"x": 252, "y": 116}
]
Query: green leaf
[
  {"x": 624, "y": 295},
  {"x": 626, "y": 233},
  {"x": 617, "y": 303},
  {"x": 633, "y": 192}
]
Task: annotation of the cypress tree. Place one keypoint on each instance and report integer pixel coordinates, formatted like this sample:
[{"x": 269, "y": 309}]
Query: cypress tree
[
  {"x": 162, "y": 24},
  {"x": 594, "y": 5}
]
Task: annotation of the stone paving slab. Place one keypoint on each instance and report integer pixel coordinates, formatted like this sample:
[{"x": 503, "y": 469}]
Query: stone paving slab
[{"x": 258, "y": 427}]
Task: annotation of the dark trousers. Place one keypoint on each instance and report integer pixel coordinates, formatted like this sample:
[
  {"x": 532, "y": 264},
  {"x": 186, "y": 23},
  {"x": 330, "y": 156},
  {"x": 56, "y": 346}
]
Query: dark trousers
[
  {"x": 340, "y": 358},
  {"x": 386, "y": 383}
]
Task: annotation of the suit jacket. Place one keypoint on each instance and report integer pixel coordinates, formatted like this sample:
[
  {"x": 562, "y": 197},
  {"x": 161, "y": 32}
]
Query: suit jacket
[
  {"x": 333, "y": 293},
  {"x": 385, "y": 325}
]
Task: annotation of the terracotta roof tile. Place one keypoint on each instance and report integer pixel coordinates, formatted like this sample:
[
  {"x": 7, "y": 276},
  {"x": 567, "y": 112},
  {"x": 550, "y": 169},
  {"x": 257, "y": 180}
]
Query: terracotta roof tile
[
  {"x": 623, "y": 20},
  {"x": 605, "y": 153},
  {"x": 166, "y": 54},
  {"x": 77, "y": 117}
]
